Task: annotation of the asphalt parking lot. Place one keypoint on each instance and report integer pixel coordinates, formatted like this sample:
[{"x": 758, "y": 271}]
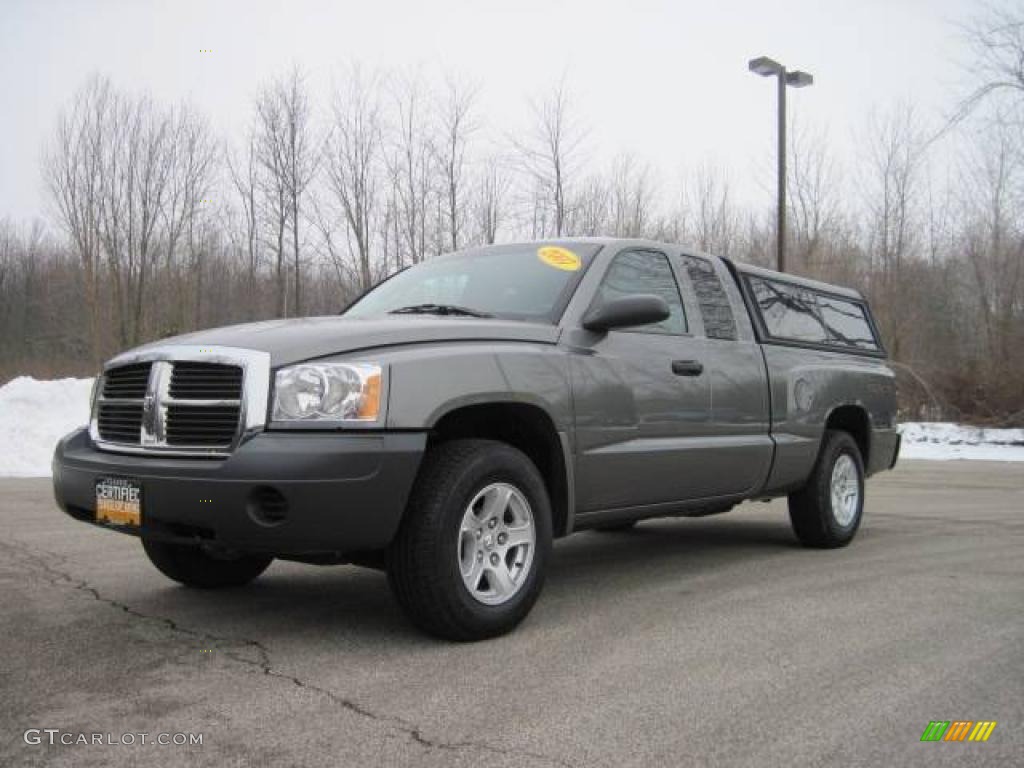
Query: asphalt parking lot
[{"x": 714, "y": 641}]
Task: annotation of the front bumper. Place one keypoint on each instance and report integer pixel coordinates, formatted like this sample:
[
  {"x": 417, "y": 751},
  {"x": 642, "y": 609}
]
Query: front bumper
[{"x": 344, "y": 492}]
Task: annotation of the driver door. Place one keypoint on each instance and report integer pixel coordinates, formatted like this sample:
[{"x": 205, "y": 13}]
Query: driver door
[{"x": 642, "y": 401}]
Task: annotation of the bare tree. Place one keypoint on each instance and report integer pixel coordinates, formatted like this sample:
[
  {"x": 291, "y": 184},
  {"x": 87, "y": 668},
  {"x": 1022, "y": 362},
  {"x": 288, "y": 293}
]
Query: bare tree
[
  {"x": 491, "y": 195},
  {"x": 71, "y": 170},
  {"x": 136, "y": 172},
  {"x": 389, "y": 225},
  {"x": 127, "y": 178},
  {"x": 550, "y": 155},
  {"x": 591, "y": 207},
  {"x": 813, "y": 185},
  {"x": 299, "y": 160},
  {"x": 632, "y": 197},
  {"x": 941, "y": 219},
  {"x": 992, "y": 176},
  {"x": 271, "y": 152},
  {"x": 243, "y": 173},
  {"x": 352, "y": 163},
  {"x": 187, "y": 201},
  {"x": 457, "y": 124},
  {"x": 410, "y": 165},
  {"x": 995, "y": 40},
  {"x": 288, "y": 160},
  {"x": 895, "y": 151},
  {"x": 714, "y": 219},
  {"x": 10, "y": 248}
]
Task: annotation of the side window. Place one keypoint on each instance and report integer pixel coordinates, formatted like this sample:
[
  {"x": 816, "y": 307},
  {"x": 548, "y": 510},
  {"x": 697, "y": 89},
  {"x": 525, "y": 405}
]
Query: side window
[
  {"x": 789, "y": 312},
  {"x": 801, "y": 314},
  {"x": 712, "y": 298},
  {"x": 646, "y": 272},
  {"x": 846, "y": 323}
]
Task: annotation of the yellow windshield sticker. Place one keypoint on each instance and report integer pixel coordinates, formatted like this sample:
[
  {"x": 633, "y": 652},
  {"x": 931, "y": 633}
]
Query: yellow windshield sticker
[{"x": 559, "y": 258}]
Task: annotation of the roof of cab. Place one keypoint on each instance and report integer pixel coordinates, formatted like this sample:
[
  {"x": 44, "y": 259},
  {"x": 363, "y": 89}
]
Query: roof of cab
[{"x": 747, "y": 269}]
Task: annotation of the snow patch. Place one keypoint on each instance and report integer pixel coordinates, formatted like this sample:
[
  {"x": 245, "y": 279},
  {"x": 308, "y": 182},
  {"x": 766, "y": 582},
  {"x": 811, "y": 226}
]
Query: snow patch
[
  {"x": 34, "y": 415},
  {"x": 945, "y": 441}
]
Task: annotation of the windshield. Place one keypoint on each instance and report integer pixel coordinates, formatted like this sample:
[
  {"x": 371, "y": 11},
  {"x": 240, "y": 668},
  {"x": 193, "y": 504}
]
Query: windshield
[{"x": 518, "y": 282}]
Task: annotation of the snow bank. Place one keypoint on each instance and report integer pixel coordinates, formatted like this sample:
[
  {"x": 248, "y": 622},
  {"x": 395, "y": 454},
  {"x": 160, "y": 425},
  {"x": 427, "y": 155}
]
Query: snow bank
[
  {"x": 34, "y": 415},
  {"x": 943, "y": 441}
]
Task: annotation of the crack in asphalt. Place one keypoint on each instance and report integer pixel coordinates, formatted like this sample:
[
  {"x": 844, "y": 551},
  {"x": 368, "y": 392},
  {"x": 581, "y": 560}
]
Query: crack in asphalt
[{"x": 261, "y": 664}]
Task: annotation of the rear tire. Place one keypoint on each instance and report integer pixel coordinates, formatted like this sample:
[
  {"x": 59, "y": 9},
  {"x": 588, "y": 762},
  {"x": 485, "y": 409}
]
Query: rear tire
[
  {"x": 827, "y": 511},
  {"x": 479, "y": 511},
  {"x": 194, "y": 567}
]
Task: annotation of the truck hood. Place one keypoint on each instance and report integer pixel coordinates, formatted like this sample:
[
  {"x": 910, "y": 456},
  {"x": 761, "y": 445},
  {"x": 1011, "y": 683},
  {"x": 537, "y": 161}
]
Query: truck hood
[{"x": 298, "y": 339}]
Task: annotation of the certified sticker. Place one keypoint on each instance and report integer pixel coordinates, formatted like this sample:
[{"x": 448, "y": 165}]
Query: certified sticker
[{"x": 559, "y": 258}]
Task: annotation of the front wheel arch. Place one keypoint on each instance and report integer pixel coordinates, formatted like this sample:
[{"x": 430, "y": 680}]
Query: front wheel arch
[{"x": 529, "y": 428}]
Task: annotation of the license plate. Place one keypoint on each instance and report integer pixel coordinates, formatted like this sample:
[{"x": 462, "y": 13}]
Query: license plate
[{"x": 118, "y": 501}]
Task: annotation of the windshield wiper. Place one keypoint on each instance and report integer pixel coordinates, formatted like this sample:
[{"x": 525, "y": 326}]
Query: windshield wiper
[{"x": 439, "y": 309}]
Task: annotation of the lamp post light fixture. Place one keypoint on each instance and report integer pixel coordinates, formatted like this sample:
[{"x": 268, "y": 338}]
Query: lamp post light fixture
[{"x": 770, "y": 68}]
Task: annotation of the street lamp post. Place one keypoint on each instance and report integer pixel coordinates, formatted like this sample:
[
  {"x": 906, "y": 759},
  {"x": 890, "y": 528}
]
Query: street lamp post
[{"x": 768, "y": 68}]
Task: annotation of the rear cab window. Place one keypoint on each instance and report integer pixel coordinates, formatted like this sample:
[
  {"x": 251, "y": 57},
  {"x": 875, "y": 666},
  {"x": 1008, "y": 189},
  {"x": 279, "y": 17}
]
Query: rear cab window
[
  {"x": 713, "y": 301},
  {"x": 809, "y": 316}
]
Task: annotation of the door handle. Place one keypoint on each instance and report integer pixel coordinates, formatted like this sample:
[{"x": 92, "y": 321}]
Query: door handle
[{"x": 687, "y": 368}]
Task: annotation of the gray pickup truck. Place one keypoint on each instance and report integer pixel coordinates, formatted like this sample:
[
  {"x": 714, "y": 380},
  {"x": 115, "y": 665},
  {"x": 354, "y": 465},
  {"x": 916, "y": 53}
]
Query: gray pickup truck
[{"x": 465, "y": 412}]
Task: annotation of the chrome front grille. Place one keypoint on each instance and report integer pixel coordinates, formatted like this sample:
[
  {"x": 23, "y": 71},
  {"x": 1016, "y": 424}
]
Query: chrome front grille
[
  {"x": 127, "y": 382},
  {"x": 119, "y": 415},
  {"x": 120, "y": 422},
  {"x": 205, "y": 401},
  {"x": 205, "y": 381},
  {"x": 181, "y": 400},
  {"x": 201, "y": 424}
]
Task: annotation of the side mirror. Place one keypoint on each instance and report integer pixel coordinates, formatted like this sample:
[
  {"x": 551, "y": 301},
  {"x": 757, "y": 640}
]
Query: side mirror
[{"x": 625, "y": 311}]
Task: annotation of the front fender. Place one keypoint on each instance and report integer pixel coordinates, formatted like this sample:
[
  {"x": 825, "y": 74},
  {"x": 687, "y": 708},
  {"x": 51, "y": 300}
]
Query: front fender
[{"x": 430, "y": 381}]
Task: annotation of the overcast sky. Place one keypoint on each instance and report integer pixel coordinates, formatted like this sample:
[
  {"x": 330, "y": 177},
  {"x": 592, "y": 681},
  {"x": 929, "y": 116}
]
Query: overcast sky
[{"x": 665, "y": 79}]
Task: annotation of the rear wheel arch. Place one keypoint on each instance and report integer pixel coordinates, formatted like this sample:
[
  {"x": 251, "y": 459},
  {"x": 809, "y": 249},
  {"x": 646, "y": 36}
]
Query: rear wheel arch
[{"x": 853, "y": 419}]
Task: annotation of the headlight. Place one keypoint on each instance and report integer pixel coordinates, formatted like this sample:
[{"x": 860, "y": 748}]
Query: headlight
[{"x": 334, "y": 392}]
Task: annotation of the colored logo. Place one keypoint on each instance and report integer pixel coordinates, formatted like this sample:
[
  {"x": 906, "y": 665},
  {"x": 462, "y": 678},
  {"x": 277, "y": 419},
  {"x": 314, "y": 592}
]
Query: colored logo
[
  {"x": 958, "y": 730},
  {"x": 559, "y": 258}
]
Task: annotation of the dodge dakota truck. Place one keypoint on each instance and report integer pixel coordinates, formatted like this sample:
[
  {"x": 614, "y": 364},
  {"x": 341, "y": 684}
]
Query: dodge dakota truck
[{"x": 465, "y": 412}]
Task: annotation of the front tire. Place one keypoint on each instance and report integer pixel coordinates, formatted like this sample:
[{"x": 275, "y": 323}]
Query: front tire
[
  {"x": 469, "y": 559},
  {"x": 194, "y": 567},
  {"x": 827, "y": 511}
]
